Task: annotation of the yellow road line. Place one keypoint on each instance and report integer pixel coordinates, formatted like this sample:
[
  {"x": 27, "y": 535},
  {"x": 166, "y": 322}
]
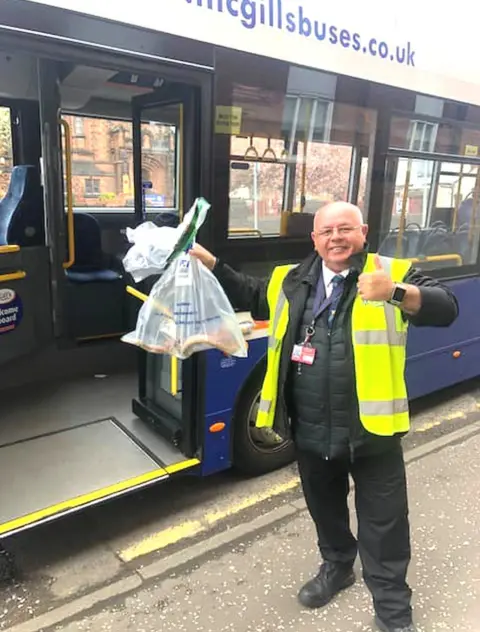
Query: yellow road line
[
  {"x": 251, "y": 501},
  {"x": 432, "y": 424},
  {"x": 191, "y": 528},
  {"x": 162, "y": 539}
]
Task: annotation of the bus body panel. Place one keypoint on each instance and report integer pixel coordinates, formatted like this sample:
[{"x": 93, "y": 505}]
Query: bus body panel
[
  {"x": 328, "y": 37},
  {"x": 225, "y": 379},
  {"x": 443, "y": 357}
]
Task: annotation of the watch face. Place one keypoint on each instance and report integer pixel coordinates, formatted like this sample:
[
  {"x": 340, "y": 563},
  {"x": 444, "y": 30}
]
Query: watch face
[{"x": 398, "y": 294}]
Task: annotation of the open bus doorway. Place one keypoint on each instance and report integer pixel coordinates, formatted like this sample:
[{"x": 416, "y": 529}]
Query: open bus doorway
[{"x": 74, "y": 443}]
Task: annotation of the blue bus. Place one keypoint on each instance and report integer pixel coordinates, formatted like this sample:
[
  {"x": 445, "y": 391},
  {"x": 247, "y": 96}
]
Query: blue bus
[{"x": 111, "y": 116}]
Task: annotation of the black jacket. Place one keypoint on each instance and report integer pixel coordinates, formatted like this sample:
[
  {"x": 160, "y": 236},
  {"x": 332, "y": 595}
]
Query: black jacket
[{"x": 322, "y": 402}]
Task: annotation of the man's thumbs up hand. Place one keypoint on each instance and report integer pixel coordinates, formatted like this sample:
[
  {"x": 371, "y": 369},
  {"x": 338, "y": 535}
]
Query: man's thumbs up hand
[{"x": 377, "y": 285}]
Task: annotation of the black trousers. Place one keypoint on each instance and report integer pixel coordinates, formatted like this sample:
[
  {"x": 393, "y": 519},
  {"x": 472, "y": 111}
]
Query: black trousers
[{"x": 383, "y": 527}]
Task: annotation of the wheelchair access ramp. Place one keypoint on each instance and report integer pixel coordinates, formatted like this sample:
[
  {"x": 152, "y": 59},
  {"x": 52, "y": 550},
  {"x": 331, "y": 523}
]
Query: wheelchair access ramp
[{"x": 53, "y": 465}]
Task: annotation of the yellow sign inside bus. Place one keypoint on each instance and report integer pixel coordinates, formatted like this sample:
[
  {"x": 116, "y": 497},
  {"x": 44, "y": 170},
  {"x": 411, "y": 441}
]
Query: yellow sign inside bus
[{"x": 228, "y": 120}]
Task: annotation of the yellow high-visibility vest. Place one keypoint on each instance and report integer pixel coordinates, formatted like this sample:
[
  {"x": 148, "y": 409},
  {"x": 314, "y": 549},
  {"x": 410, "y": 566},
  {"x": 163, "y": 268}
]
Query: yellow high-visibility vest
[{"x": 379, "y": 337}]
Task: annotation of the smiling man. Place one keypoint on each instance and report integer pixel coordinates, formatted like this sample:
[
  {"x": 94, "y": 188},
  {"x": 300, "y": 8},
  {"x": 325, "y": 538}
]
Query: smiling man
[{"x": 335, "y": 384}]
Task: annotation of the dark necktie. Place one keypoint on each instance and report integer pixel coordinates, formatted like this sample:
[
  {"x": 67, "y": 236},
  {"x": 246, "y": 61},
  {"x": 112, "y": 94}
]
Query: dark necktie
[{"x": 337, "y": 283}]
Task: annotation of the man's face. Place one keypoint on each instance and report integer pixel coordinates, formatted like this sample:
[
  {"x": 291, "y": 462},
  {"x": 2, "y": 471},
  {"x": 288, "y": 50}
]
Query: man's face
[{"x": 338, "y": 233}]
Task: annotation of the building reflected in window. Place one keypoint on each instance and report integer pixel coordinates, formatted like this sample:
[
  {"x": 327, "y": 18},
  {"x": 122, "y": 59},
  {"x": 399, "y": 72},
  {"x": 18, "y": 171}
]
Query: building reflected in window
[{"x": 102, "y": 163}]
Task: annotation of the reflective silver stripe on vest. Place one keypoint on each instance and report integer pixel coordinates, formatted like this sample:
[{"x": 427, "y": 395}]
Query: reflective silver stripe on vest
[
  {"x": 264, "y": 406},
  {"x": 389, "y": 407},
  {"x": 282, "y": 299},
  {"x": 273, "y": 343},
  {"x": 272, "y": 340},
  {"x": 391, "y": 338}
]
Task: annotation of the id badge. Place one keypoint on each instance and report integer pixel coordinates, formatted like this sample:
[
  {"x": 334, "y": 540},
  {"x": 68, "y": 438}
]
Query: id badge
[{"x": 303, "y": 354}]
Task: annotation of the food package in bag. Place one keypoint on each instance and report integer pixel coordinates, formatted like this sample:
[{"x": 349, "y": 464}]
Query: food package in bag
[{"x": 187, "y": 311}]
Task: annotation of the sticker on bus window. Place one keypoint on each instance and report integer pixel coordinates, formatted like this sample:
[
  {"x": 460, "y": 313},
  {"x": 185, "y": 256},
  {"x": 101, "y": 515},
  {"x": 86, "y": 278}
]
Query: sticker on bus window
[
  {"x": 11, "y": 310},
  {"x": 471, "y": 150},
  {"x": 228, "y": 120}
]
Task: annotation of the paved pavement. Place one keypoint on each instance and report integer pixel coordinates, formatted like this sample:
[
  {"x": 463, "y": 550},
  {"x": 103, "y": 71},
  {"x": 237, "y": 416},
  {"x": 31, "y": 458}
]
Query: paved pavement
[{"x": 246, "y": 580}]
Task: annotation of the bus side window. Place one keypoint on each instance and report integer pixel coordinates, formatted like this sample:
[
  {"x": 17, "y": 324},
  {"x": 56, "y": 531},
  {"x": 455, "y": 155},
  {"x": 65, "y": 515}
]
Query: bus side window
[
  {"x": 102, "y": 164},
  {"x": 431, "y": 210},
  {"x": 434, "y": 213},
  {"x": 292, "y": 151},
  {"x": 6, "y": 149}
]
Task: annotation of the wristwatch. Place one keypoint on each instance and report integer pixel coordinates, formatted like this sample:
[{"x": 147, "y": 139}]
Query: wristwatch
[{"x": 398, "y": 295}]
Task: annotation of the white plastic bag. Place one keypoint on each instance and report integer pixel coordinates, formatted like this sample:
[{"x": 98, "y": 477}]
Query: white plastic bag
[
  {"x": 156, "y": 246},
  {"x": 152, "y": 245},
  {"x": 187, "y": 311}
]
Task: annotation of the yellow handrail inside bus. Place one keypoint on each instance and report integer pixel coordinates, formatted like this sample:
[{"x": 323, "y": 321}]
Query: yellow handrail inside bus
[
  {"x": 458, "y": 198},
  {"x": 242, "y": 231},
  {"x": 308, "y": 122},
  {"x": 433, "y": 258},
  {"x": 140, "y": 295},
  {"x": 250, "y": 152},
  {"x": 173, "y": 376},
  {"x": 4, "y": 250},
  {"x": 475, "y": 203},
  {"x": 401, "y": 228},
  {"x": 180, "y": 166},
  {"x": 12, "y": 276},
  {"x": 269, "y": 153},
  {"x": 68, "y": 177},
  {"x": 173, "y": 360}
]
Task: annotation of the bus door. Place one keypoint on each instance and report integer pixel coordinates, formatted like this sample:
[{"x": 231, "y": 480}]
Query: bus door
[
  {"x": 25, "y": 313},
  {"x": 169, "y": 389}
]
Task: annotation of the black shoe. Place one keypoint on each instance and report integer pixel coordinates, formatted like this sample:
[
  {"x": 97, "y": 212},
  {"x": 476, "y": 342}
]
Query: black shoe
[
  {"x": 331, "y": 579},
  {"x": 394, "y": 628}
]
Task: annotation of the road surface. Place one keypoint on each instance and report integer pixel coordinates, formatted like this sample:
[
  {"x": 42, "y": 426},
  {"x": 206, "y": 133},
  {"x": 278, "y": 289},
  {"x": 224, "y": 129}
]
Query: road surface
[{"x": 228, "y": 553}]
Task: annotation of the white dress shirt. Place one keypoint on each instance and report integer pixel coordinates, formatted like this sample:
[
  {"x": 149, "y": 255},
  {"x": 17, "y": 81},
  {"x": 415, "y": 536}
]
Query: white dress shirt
[{"x": 328, "y": 276}]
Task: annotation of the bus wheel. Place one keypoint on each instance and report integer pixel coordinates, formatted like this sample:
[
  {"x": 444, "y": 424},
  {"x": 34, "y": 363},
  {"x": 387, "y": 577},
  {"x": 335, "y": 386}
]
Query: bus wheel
[{"x": 256, "y": 450}]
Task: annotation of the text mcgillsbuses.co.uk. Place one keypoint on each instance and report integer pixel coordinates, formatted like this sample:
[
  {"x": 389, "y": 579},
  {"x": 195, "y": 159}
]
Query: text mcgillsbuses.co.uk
[{"x": 300, "y": 22}]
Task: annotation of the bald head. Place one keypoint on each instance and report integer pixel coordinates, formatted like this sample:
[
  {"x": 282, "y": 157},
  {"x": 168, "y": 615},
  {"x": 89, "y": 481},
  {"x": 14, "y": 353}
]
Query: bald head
[
  {"x": 338, "y": 233},
  {"x": 336, "y": 209}
]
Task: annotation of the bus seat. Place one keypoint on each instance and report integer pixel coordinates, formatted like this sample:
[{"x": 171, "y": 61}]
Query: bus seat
[
  {"x": 90, "y": 264},
  {"x": 413, "y": 240},
  {"x": 465, "y": 211},
  {"x": 463, "y": 245},
  {"x": 388, "y": 247},
  {"x": 172, "y": 220},
  {"x": 299, "y": 224},
  {"x": 438, "y": 241},
  {"x": 21, "y": 210}
]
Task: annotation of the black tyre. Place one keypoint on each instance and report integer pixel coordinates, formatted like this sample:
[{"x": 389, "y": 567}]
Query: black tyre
[{"x": 256, "y": 451}]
